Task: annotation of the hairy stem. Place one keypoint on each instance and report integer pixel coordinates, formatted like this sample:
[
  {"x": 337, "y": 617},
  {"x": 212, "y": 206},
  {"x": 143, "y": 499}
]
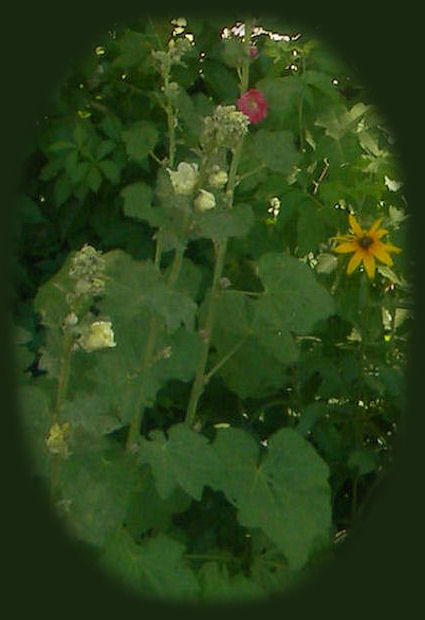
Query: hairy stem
[
  {"x": 221, "y": 248},
  {"x": 67, "y": 342},
  {"x": 199, "y": 382}
]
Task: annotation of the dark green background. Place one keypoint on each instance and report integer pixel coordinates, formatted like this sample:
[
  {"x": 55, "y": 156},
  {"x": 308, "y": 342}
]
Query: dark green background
[{"x": 380, "y": 569}]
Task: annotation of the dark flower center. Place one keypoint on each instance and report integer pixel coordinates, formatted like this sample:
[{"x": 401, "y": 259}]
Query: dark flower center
[{"x": 365, "y": 242}]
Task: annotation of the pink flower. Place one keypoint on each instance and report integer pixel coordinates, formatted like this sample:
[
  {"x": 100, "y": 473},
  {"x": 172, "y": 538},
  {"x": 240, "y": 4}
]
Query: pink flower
[
  {"x": 253, "y": 105},
  {"x": 253, "y": 52}
]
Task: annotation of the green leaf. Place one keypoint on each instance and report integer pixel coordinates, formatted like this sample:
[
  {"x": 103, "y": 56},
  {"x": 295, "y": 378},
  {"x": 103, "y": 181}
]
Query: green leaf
[
  {"x": 276, "y": 150},
  {"x": 94, "y": 179},
  {"x": 111, "y": 126},
  {"x": 137, "y": 202},
  {"x": 35, "y": 420},
  {"x": 233, "y": 52},
  {"x": 218, "y": 586},
  {"x": 148, "y": 510},
  {"x": 50, "y": 301},
  {"x": 294, "y": 300},
  {"x": 89, "y": 413},
  {"x": 104, "y": 148},
  {"x": 235, "y": 327},
  {"x": 156, "y": 567},
  {"x": 182, "y": 460},
  {"x": 311, "y": 230},
  {"x": 139, "y": 139},
  {"x": 95, "y": 485},
  {"x": 135, "y": 284},
  {"x": 218, "y": 225},
  {"x": 110, "y": 170},
  {"x": 62, "y": 190},
  {"x": 220, "y": 81},
  {"x": 133, "y": 50},
  {"x": 286, "y": 495}
]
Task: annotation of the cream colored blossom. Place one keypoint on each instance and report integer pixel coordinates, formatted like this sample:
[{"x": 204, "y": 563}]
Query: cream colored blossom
[
  {"x": 56, "y": 440},
  {"x": 204, "y": 201},
  {"x": 184, "y": 178},
  {"x": 100, "y": 336}
]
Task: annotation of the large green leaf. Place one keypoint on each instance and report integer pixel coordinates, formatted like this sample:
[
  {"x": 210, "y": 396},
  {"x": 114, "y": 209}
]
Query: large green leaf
[
  {"x": 147, "y": 510},
  {"x": 135, "y": 284},
  {"x": 95, "y": 482},
  {"x": 183, "y": 459},
  {"x": 156, "y": 567},
  {"x": 286, "y": 495},
  {"x": 218, "y": 225},
  {"x": 294, "y": 300},
  {"x": 276, "y": 150}
]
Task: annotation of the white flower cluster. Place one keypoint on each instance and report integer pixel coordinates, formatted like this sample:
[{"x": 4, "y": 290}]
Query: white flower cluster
[
  {"x": 99, "y": 336},
  {"x": 224, "y": 128},
  {"x": 87, "y": 269}
]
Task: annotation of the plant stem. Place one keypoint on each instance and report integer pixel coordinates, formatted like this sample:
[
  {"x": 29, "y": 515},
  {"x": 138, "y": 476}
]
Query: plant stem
[
  {"x": 221, "y": 248},
  {"x": 67, "y": 343},
  {"x": 199, "y": 382}
]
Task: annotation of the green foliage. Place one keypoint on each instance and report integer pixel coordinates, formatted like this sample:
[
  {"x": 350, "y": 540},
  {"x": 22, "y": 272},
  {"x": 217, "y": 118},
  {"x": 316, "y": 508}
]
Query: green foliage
[{"x": 213, "y": 406}]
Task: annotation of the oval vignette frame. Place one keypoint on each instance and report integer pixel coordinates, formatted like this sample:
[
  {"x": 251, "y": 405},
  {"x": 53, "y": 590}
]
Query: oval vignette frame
[{"x": 60, "y": 584}]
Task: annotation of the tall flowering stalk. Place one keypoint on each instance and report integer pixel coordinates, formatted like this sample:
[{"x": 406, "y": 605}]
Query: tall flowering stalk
[{"x": 236, "y": 124}]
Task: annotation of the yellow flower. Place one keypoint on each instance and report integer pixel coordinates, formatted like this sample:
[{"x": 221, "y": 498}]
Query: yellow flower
[{"x": 366, "y": 245}]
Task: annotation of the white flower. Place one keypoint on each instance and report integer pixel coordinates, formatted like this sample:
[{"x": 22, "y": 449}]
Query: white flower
[
  {"x": 100, "y": 336},
  {"x": 184, "y": 178},
  {"x": 205, "y": 201},
  {"x": 218, "y": 178}
]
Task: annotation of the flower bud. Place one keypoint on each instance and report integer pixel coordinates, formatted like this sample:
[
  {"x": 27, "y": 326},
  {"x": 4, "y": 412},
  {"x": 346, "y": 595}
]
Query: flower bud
[
  {"x": 218, "y": 178},
  {"x": 204, "y": 201}
]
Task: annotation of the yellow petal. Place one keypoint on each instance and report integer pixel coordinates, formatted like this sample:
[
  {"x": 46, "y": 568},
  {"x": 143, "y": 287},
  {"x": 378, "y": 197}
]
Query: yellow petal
[
  {"x": 355, "y": 226},
  {"x": 354, "y": 262},
  {"x": 375, "y": 225},
  {"x": 379, "y": 250},
  {"x": 348, "y": 246},
  {"x": 380, "y": 233},
  {"x": 369, "y": 264},
  {"x": 392, "y": 248}
]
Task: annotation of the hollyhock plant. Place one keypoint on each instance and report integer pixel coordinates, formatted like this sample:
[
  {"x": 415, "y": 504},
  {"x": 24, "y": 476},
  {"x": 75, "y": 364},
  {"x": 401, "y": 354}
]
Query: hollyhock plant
[{"x": 253, "y": 105}]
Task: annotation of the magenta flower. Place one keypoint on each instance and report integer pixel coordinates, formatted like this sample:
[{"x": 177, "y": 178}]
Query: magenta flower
[
  {"x": 253, "y": 105},
  {"x": 253, "y": 52}
]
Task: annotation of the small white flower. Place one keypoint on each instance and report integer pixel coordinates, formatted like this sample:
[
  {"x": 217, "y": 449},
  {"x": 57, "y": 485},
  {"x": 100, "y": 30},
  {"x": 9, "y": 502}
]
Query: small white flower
[
  {"x": 218, "y": 178},
  {"x": 100, "y": 336},
  {"x": 184, "y": 178},
  {"x": 204, "y": 201}
]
